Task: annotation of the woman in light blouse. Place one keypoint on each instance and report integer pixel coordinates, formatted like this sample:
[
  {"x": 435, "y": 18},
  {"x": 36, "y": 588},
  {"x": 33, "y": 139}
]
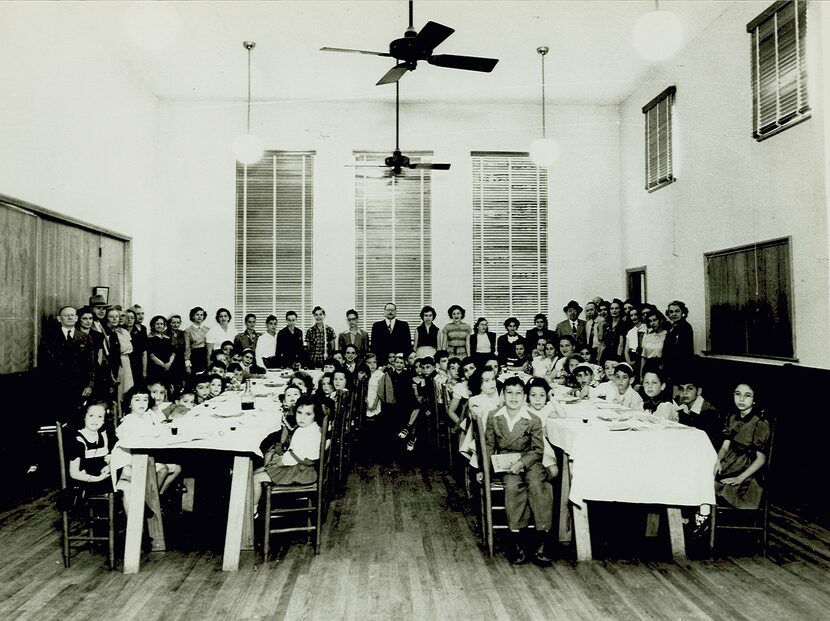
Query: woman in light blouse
[
  {"x": 195, "y": 344},
  {"x": 221, "y": 332}
]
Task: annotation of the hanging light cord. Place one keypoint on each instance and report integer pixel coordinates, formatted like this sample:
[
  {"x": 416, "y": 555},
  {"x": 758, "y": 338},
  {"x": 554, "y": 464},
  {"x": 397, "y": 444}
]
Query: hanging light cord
[
  {"x": 544, "y": 129},
  {"x": 249, "y": 87}
]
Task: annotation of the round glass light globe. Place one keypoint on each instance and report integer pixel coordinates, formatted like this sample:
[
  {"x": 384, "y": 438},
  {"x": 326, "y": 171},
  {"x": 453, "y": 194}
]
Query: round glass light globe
[
  {"x": 247, "y": 148},
  {"x": 544, "y": 152},
  {"x": 657, "y": 35}
]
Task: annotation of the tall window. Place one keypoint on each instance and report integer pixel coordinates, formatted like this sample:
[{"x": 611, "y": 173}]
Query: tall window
[
  {"x": 510, "y": 237},
  {"x": 274, "y": 251},
  {"x": 779, "y": 68},
  {"x": 749, "y": 299},
  {"x": 393, "y": 251},
  {"x": 659, "y": 155}
]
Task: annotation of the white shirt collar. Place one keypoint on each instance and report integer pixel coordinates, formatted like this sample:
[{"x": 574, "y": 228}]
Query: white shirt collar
[{"x": 697, "y": 406}]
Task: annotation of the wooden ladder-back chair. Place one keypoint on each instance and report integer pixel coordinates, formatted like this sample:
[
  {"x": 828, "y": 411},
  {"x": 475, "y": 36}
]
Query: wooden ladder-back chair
[
  {"x": 342, "y": 437},
  {"x": 283, "y": 501},
  {"x": 78, "y": 523},
  {"x": 748, "y": 520},
  {"x": 490, "y": 485}
]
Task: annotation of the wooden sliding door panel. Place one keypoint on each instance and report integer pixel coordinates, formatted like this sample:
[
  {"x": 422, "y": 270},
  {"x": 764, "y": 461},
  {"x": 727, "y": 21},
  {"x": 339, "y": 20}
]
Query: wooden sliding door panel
[
  {"x": 18, "y": 258},
  {"x": 113, "y": 269}
]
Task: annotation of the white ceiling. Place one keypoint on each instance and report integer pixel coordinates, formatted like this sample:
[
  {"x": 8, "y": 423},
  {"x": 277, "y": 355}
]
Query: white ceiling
[{"x": 592, "y": 58}]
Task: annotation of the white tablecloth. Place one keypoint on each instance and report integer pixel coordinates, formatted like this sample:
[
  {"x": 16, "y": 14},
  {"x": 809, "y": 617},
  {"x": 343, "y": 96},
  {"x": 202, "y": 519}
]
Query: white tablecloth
[{"x": 670, "y": 466}]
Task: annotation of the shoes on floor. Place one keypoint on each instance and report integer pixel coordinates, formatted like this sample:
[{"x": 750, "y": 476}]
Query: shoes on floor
[
  {"x": 516, "y": 555},
  {"x": 702, "y": 525}
]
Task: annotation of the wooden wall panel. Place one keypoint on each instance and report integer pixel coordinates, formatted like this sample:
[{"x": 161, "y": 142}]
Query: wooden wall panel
[
  {"x": 69, "y": 266},
  {"x": 18, "y": 251}
]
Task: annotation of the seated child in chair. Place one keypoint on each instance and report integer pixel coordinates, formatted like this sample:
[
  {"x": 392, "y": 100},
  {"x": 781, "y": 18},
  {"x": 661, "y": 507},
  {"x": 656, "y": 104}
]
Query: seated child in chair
[
  {"x": 89, "y": 453},
  {"x": 298, "y": 464},
  {"x": 512, "y": 429}
]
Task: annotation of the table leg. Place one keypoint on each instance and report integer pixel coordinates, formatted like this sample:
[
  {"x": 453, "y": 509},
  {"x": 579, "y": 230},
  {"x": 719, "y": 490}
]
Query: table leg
[
  {"x": 652, "y": 523},
  {"x": 248, "y": 521},
  {"x": 236, "y": 512},
  {"x": 565, "y": 526},
  {"x": 155, "y": 527},
  {"x": 135, "y": 516},
  {"x": 678, "y": 541},
  {"x": 582, "y": 532},
  {"x": 189, "y": 497}
]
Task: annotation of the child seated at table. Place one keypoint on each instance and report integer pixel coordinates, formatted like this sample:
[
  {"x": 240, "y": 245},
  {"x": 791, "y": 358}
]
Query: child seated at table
[
  {"x": 520, "y": 362},
  {"x": 216, "y": 385},
  {"x": 298, "y": 464},
  {"x": 217, "y": 367},
  {"x": 201, "y": 388},
  {"x": 182, "y": 405},
  {"x": 89, "y": 453},
  {"x": 539, "y": 404},
  {"x": 586, "y": 385},
  {"x": 657, "y": 401},
  {"x": 741, "y": 458},
  {"x": 235, "y": 376},
  {"x": 158, "y": 397},
  {"x": 622, "y": 393},
  {"x": 139, "y": 419},
  {"x": 512, "y": 429},
  {"x": 694, "y": 410},
  {"x": 739, "y": 470}
]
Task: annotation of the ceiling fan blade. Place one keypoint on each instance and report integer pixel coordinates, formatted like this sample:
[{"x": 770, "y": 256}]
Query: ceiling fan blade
[
  {"x": 429, "y": 166},
  {"x": 393, "y": 75},
  {"x": 350, "y": 51},
  {"x": 432, "y": 35},
  {"x": 470, "y": 63},
  {"x": 366, "y": 165}
]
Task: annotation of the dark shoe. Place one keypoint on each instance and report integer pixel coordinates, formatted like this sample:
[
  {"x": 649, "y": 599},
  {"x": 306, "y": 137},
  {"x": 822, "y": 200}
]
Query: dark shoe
[
  {"x": 542, "y": 556},
  {"x": 516, "y": 555}
]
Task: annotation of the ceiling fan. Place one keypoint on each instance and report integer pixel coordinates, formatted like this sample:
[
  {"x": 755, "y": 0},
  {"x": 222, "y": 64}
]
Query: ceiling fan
[
  {"x": 398, "y": 161},
  {"x": 415, "y": 46}
]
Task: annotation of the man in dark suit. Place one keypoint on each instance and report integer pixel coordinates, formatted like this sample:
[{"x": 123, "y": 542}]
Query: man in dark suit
[
  {"x": 573, "y": 325},
  {"x": 66, "y": 362},
  {"x": 390, "y": 335}
]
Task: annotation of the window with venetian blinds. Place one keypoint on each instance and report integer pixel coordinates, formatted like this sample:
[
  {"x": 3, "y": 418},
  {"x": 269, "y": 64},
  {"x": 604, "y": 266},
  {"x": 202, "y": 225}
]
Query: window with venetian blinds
[
  {"x": 658, "y": 141},
  {"x": 779, "y": 68},
  {"x": 274, "y": 226},
  {"x": 393, "y": 249},
  {"x": 510, "y": 238}
]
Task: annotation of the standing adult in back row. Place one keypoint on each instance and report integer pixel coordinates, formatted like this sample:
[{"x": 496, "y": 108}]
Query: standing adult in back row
[{"x": 390, "y": 335}]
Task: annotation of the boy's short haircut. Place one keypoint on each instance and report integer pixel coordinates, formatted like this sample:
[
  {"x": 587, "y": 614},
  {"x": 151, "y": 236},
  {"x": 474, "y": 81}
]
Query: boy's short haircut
[
  {"x": 249, "y": 316},
  {"x": 222, "y": 346},
  {"x": 352, "y": 311},
  {"x": 686, "y": 376},
  {"x": 199, "y": 378},
  {"x": 370, "y": 356},
  {"x": 514, "y": 381},
  {"x": 441, "y": 354},
  {"x": 220, "y": 364},
  {"x": 426, "y": 360},
  {"x": 454, "y": 360},
  {"x": 569, "y": 338},
  {"x": 270, "y": 318},
  {"x": 234, "y": 366},
  {"x": 624, "y": 367},
  {"x": 290, "y": 313}
]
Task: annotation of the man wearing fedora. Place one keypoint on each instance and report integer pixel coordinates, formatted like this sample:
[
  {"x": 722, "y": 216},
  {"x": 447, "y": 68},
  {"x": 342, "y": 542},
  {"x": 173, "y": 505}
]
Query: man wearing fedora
[
  {"x": 572, "y": 326},
  {"x": 99, "y": 306}
]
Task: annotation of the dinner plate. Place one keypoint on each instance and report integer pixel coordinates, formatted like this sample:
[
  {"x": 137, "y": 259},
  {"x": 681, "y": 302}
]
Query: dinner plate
[
  {"x": 219, "y": 414},
  {"x": 606, "y": 405},
  {"x": 613, "y": 417},
  {"x": 619, "y": 427}
]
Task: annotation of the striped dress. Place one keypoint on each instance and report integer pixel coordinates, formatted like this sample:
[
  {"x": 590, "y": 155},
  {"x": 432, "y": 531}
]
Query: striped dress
[{"x": 455, "y": 335}]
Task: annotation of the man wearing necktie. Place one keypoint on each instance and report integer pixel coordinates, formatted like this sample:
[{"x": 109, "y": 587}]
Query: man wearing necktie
[
  {"x": 573, "y": 325},
  {"x": 66, "y": 366},
  {"x": 390, "y": 335}
]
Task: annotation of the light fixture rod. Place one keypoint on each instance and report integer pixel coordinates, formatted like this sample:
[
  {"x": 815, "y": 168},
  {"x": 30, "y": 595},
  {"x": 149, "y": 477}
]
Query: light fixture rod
[
  {"x": 543, "y": 50},
  {"x": 397, "y": 115},
  {"x": 249, "y": 45}
]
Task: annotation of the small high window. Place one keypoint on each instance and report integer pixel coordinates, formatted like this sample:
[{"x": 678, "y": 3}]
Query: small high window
[{"x": 659, "y": 157}]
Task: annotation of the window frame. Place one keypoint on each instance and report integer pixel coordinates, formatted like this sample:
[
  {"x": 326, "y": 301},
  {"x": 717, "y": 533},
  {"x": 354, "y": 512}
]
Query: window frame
[
  {"x": 513, "y": 307},
  {"x": 408, "y": 297},
  {"x": 802, "y": 112},
  {"x": 790, "y": 303},
  {"x": 653, "y": 180},
  {"x": 304, "y": 205}
]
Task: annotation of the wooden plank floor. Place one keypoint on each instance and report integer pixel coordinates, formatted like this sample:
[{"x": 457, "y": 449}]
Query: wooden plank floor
[{"x": 400, "y": 544}]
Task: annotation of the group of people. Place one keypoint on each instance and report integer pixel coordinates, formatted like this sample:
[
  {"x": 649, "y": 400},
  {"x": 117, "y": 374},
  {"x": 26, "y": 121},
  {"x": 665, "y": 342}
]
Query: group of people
[{"x": 628, "y": 353}]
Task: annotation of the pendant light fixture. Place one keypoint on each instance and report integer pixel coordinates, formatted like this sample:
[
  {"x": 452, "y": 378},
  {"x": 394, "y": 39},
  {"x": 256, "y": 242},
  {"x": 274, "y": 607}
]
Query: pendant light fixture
[
  {"x": 247, "y": 147},
  {"x": 658, "y": 34},
  {"x": 544, "y": 151}
]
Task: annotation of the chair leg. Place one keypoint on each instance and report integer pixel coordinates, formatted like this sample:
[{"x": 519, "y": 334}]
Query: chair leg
[
  {"x": 712, "y": 528},
  {"x": 266, "y": 539},
  {"x": 111, "y": 528},
  {"x": 65, "y": 542}
]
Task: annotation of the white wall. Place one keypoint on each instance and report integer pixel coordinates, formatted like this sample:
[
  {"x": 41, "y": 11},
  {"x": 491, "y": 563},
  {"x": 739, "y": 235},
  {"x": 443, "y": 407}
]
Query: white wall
[
  {"x": 76, "y": 129},
  {"x": 197, "y": 172},
  {"x": 731, "y": 190}
]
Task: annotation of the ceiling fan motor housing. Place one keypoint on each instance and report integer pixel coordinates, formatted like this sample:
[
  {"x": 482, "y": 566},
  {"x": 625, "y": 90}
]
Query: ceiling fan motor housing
[{"x": 406, "y": 51}]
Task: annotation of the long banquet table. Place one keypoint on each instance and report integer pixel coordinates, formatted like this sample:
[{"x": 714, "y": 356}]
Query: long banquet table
[
  {"x": 216, "y": 425},
  {"x": 633, "y": 458}
]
